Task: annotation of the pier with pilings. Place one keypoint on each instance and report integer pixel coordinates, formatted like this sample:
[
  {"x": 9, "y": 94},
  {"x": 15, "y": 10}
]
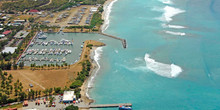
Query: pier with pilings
[{"x": 105, "y": 106}]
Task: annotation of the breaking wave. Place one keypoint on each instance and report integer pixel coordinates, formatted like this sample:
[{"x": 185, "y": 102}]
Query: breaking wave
[
  {"x": 96, "y": 58},
  {"x": 169, "y": 12},
  {"x": 176, "y": 33},
  {"x": 166, "y": 2},
  {"x": 173, "y": 26},
  {"x": 107, "y": 10},
  {"x": 165, "y": 70}
]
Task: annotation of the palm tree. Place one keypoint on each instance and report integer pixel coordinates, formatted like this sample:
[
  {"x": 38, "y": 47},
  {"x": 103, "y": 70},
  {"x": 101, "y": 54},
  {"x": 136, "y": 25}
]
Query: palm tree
[
  {"x": 50, "y": 91},
  {"x": 39, "y": 93},
  {"x": 11, "y": 88},
  {"x": 36, "y": 93},
  {"x": 61, "y": 65},
  {"x": 48, "y": 66}
]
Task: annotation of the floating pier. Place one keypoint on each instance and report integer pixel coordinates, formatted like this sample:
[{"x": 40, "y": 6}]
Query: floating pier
[
  {"x": 106, "y": 106},
  {"x": 123, "y": 41}
]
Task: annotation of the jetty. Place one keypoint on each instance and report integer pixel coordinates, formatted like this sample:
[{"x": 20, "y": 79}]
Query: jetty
[
  {"x": 106, "y": 106},
  {"x": 123, "y": 41}
]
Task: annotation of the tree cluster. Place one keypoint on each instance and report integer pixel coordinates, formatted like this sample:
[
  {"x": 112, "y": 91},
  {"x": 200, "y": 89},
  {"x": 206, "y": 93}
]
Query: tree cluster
[
  {"x": 21, "y": 5},
  {"x": 81, "y": 78},
  {"x": 49, "y": 66}
]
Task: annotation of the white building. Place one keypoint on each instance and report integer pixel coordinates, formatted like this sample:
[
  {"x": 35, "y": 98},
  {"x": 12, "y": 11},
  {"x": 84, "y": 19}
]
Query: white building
[
  {"x": 93, "y": 9},
  {"x": 68, "y": 97},
  {"x": 9, "y": 49},
  {"x": 19, "y": 21},
  {"x": 2, "y": 36}
]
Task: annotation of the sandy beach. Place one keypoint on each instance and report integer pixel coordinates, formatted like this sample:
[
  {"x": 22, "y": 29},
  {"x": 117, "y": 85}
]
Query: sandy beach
[{"x": 85, "y": 88}]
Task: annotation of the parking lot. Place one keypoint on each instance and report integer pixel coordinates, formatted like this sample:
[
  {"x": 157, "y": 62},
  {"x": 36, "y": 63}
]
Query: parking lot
[{"x": 42, "y": 106}]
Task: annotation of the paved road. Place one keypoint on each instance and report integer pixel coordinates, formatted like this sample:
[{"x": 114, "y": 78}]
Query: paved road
[{"x": 46, "y": 4}]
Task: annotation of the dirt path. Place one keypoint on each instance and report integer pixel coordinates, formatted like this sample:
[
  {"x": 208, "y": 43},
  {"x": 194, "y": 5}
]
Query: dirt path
[
  {"x": 47, "y": 3},
  {"x": 31, "y": 80}
]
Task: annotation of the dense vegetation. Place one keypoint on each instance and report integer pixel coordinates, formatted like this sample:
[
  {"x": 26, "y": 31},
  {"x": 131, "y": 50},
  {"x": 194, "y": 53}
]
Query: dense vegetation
[
  {"x": 96, "y": 20},
  {"x": 91, "y": 2},
  {"x": 54, "y": 5},
  {"x": 14, "y": 29},
  {"x": 21, "y": 5},
  {"x": 72, "y": 107},
  {"x": 8, "y": 58},
  {"x": 9, "y": 90},
  {"x": 81, "y": 78}
]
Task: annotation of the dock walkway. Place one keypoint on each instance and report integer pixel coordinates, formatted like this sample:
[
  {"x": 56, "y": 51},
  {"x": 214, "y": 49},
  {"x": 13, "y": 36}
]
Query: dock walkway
[{"x": 105, "y": 106}]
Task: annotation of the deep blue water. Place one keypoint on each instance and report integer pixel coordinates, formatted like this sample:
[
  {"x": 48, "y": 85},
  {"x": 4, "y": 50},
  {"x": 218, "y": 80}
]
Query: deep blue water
[{"x": 190, "y": 40}]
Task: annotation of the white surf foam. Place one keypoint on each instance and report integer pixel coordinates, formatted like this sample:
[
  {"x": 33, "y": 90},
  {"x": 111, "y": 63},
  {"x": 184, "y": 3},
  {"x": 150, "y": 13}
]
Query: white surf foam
[
  {"x": 97, "y": 55},
  {"x": 176, "y": 33},
  {"x": 165, "y": 70},
  {"x": 116, "y": 51},
  {"x": 138, "y": 59},
  {"x": 134, "y": 68},
  {"x": 173, "y": 26},
  {"x": 166, "y": 2},
  {"x": 169, "y": 12},
  {"x": 107, "y": 11}
]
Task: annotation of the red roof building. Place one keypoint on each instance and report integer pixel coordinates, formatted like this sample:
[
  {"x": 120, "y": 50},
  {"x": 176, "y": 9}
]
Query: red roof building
[
  {"x": 6, "y": 32},
  {"x": 33, "y": 11}
]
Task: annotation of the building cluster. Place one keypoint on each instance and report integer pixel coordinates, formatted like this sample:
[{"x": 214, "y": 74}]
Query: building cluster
[
  {"x": 7, "y": 21},
  {"x": 62, "y": 16},
  {"x": 92, "y": 11},
  {"x": 76, "y": 19}
]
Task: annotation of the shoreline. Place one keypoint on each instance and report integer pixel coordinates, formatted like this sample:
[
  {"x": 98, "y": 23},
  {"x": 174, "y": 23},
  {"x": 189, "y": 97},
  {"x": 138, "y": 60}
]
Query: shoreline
[{"x": 85, "y": 87}]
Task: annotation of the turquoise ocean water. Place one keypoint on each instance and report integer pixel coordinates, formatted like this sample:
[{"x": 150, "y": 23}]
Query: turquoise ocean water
[{"x": 173, "y": 57}]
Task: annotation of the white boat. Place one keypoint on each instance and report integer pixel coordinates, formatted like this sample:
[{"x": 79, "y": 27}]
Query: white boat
[
  {"x": 51, "y": 60},
  {"x": 64, "y": 59},
  {"x": 42, "y": 37}
]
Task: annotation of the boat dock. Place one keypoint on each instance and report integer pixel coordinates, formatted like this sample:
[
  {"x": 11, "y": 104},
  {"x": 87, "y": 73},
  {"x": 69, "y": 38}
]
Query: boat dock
[
  {"x": 123, "y": 41},
  {"x": 106, "y": 106}
]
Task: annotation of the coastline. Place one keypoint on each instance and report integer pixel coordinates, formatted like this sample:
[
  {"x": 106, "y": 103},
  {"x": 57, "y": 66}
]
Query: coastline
[
  {"x": 106, "y": 13},
  {"x": 85, "y": 87}
]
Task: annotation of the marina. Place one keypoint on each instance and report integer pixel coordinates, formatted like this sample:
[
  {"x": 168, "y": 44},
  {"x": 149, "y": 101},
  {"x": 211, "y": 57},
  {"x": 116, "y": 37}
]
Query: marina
[{"x": 57, "y": 48}]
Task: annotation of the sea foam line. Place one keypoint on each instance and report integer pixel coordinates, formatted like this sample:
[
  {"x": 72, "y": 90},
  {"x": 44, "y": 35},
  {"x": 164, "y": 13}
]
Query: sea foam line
[
  {"x": 96, "y": 58},
  {"x": 107, "y": 11},
  {"x": 175, "y": 33},
  {"x": 165, "y": 70},
  {"x": 173, "y": 26}
]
